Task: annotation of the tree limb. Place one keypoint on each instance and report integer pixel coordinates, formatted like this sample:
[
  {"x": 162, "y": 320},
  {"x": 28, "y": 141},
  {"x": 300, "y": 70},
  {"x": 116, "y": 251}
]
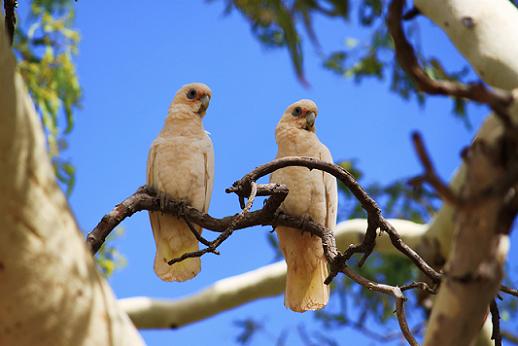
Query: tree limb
[
  {"x": 475, "y": 264},
  {"x": 10, "y": 18},
  {"x": 264, "y": 282}
]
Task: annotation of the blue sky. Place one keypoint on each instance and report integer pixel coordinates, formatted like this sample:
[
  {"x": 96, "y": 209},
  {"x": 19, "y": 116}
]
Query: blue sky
[{"x": 131, "y": 61}]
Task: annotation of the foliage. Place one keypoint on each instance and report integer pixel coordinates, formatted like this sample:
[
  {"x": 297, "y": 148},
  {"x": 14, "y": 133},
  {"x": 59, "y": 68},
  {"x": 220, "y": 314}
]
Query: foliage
[
  {"x": 45, "y": 44},
  {"x": 274, "y": 22},
  {"x": 249, "y": 327},
  {"x": 397, "y": 199},
  {"x": 279, "y": 24},
  {"x": 108, "y": 257}
]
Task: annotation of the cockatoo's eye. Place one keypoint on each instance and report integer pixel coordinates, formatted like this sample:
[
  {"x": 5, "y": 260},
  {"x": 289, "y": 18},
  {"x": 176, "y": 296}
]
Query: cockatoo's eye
[
  {"x": 296, "y": 112},
  {"x": 191, "y": 94}
]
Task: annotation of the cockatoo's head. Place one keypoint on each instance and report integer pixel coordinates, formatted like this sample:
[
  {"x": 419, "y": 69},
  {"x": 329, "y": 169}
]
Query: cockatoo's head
[
  {"x": 301, "y": 115},
  {"x": 196, "y": 96}
]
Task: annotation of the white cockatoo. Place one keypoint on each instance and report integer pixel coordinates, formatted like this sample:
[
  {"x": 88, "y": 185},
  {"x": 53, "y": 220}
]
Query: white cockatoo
[
  {"x": 312, "y": 195},
  {"x": 181, "y": 166}
]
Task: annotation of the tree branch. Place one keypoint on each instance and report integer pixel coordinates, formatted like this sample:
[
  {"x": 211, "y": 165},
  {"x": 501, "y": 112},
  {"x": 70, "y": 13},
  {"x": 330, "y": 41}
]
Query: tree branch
[
  {"x": 144, "y": 199},
  {"x": 393, "y": 291},
  {"x": 374, "y": 218},
  {"x": 430, "y": 174},
  {"x": 10, "y": 18},
  {"x": 495, "y": 318},
  {"x": 264, "y": 282},
  {"x": 213, "y": 245},
  {"x": 509, "y": 290},
  {"x": 498, "y": 100},
  {"x": 475, "y": 264},
  {"x": 247, "y": 186}
]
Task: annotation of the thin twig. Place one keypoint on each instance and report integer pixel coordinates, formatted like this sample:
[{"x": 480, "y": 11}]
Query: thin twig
[
  {"x": 403, "y": 324},
  {"x": 495, "y": 318},
  {"x": 411, "y": 13},
  {"x": 423, "y": 286},
  {"x": 197, "y": 235},
  {"x": 509, "y": 290},
  {"x": 430, "y": 175},
  {"x": 213, "y": 245},
  {"x": 385, "y": 337},
  {"x": 399, "y": 244},
  {"x": 509, "y": 336},
  {"x": 389, "y": 290}
]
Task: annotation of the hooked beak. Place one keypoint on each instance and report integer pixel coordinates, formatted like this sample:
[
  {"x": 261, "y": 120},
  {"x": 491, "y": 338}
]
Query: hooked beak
[
  {"x": 204, "y": 104},
  {"x": 310, "y": 120},
  {"x": 205, "y": 101}
]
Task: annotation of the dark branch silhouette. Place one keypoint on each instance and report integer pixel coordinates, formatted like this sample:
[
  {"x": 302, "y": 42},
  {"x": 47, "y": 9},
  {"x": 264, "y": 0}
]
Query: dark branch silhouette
[
  {"x": 495, "y": 318},
  {"x": 10, "y": 18}
]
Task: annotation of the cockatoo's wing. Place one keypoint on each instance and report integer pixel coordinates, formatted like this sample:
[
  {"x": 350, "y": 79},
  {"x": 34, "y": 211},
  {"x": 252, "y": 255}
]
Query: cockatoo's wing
[{"x": 331, "y": 191}]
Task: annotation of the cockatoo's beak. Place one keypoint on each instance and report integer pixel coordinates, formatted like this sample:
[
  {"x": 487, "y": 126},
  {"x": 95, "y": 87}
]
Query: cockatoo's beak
[
  {"x": 310, "y": 120},
  {"x": 205, "y": 101}
]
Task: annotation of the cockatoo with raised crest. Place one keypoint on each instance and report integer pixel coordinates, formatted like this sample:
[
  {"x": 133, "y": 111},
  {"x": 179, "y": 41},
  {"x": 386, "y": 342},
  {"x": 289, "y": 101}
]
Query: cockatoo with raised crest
[
  {"x": 312, "y": 195},
  {"x": 181, "y": 166}
]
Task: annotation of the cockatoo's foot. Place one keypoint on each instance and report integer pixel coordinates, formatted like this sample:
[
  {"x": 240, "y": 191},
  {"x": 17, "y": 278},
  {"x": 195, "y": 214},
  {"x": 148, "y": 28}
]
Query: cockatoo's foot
[
  {"x": 162, "y": 198},
  {"x": 181, "y": 207},
  {"x": 275, "y": 218}
]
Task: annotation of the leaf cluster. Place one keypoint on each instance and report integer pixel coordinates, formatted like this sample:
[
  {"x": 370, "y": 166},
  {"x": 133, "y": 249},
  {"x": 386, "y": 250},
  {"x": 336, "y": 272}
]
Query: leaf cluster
[
  {"x": 45, "y": 44},
  {"x": 285, "y": 24}
]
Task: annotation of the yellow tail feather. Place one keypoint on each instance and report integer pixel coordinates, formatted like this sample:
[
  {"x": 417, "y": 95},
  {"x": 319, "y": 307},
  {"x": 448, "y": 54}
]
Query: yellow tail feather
[
  {"x": 174, "y": 238},
  {"x": 307, "y": 270}
]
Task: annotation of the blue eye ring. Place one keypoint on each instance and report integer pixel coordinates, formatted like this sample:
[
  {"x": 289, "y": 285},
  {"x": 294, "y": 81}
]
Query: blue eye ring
[{"x": 296, "y": 112}]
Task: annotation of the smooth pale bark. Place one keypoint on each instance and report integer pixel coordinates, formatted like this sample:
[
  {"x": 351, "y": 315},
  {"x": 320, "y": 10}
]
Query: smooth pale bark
[
  {"x": 223, "y": 295},
  {"x": 478, "y": 252},
  {"x": 485, "y": 32},
  {"x": 264, "y": 282},
  {"x": 50, "y": 290}
]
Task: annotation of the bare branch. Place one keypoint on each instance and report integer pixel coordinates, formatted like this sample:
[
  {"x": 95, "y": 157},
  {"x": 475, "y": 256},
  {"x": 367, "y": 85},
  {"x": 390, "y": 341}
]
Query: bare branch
[
  {"x": 389, "y": 290},
  {"x": 145, "y": 199},
  {"x": 509, "y": 290},
  {"x": 430, "y": 175},
  {"x": 495, "y": 318},
  {"x": 498, "y": 100},
  {"x": 423, "y": 286},
  {"x": 403, "y": 324},
  {"x": 266, "y": 281},
  {"x": 374, "y": 217},
  {"x": 10, "y": 18},
  {"x": 510, "y": 336},
  {"x": 223, "y": 236},
  {"x": 198, "y": 235}
]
